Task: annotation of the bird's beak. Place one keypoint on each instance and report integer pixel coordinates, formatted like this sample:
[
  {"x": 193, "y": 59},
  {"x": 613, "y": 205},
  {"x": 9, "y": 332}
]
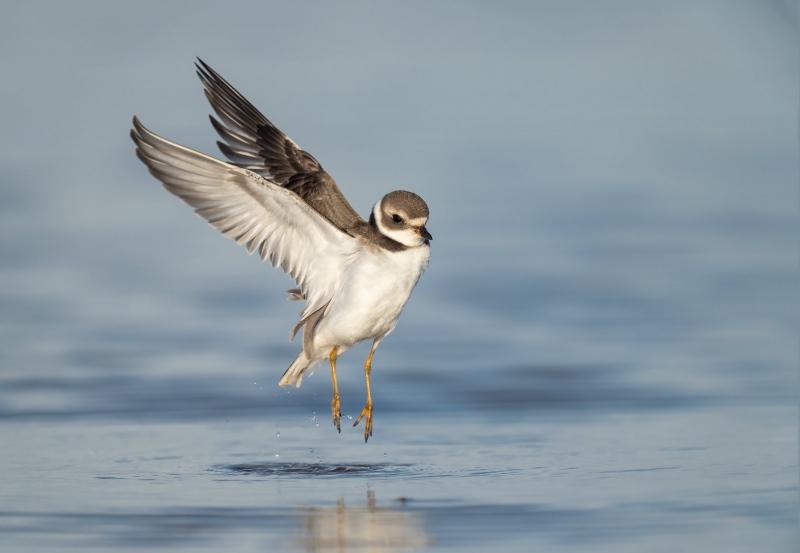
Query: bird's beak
[{"x": 422, "y": 231}]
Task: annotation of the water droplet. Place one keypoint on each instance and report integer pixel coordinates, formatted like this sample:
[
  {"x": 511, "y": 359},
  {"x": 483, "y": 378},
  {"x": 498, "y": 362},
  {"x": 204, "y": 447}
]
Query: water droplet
[
  {"x": 278, "y": 435},
  {"x": 384, "y": 455},
  {"x": 311, "y": 450},
  {"x": 276, "y": 455}
]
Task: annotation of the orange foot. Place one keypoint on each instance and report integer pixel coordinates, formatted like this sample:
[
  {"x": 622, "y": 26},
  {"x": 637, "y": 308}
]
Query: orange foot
[
  {"x": 336, "y": 412},
  {"x": 368, "y": 422}
]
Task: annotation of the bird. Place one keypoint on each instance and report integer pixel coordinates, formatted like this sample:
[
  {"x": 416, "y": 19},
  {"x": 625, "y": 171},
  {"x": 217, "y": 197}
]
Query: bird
[{"x": 270, "y": 196}]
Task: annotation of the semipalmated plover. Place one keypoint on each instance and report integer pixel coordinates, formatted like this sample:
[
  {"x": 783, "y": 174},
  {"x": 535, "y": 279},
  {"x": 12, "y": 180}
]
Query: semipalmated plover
[{"x": 274, "y": 198}]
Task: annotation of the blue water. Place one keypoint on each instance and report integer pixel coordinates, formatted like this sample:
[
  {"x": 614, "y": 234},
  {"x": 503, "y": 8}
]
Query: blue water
[{"x": 602, "y": 355}]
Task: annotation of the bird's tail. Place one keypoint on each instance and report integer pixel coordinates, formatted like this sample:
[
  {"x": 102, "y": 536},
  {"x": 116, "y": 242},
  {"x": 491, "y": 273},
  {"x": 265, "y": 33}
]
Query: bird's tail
[{"x": 294, "y": 374}]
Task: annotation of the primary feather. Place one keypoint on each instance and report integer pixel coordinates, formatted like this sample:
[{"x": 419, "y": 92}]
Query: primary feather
[{"x": 254, "y": 212}]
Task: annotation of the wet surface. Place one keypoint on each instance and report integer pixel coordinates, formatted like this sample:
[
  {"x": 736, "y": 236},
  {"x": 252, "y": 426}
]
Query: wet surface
[
  {"x": 607, "y": 363},
  {"x": 309, "y": 469}
]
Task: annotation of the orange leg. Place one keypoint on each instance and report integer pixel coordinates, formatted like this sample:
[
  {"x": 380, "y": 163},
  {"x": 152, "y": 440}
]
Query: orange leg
[
  {"x": 368, "y": 407},
  {"x": 335, "y": 410}
]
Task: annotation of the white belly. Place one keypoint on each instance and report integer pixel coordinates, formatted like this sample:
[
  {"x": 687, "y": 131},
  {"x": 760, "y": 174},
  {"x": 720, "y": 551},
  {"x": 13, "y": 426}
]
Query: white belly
[{"x": 374, "y": 292}]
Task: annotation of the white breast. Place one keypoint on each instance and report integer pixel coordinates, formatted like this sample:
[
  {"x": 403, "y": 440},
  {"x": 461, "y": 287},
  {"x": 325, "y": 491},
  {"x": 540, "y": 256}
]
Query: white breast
[{"x": 375, "y": 289}]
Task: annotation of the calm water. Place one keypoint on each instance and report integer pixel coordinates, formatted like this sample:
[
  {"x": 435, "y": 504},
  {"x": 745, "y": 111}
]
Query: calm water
[{"x": 601, "y": 357}]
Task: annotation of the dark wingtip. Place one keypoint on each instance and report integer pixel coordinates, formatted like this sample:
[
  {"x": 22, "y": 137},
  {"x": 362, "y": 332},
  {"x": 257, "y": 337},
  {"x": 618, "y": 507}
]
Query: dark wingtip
[
  {"x": 203, "y": 69},
  {"x": 135, "y": 132},
  {"x": 138, "y": 124}
]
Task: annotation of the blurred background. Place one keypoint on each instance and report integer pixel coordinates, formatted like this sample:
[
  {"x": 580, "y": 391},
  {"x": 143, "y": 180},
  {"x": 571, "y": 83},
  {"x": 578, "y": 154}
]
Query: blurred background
[{"x": 614, "y": 206}]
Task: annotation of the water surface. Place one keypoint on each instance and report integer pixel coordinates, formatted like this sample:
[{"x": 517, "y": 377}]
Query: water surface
[{"x": 601, "y": 357}]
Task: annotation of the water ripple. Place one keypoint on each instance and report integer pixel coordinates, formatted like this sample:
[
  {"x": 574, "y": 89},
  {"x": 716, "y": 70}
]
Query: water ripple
[
  {"x": 293, "y": 470},
  {"x": 312, "y": 469}
]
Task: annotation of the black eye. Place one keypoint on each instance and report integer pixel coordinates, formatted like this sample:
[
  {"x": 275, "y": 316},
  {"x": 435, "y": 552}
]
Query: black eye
[{"x": 396, "y": 218}]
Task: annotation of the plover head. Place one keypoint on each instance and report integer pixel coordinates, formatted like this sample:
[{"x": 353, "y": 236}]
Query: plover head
[{"x": 401, "y": 216}]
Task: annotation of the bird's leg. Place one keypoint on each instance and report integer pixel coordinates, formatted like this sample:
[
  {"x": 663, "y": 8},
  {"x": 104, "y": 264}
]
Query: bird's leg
[
  {"x": 368, "y": 407},
  {"x": 335, "y": 410}
]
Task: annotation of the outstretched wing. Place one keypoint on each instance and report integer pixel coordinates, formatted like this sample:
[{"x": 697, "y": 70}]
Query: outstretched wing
[
  {"x": 256, "y": 213},
  {"x": 252, "y": 142}
]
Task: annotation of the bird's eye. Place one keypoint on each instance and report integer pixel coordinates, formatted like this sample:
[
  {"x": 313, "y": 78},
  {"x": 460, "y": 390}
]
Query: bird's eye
[{"x": 396, "y": 218}]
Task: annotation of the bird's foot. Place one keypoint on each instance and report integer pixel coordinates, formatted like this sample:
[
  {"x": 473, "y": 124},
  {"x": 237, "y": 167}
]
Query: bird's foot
[
  {"x": 368, "y": 422},
  {"x": 336, "y": 412}
]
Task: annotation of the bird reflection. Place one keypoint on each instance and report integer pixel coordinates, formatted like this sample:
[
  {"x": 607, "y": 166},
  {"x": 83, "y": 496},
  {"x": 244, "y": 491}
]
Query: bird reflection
[{"x": 371, "y": 529}]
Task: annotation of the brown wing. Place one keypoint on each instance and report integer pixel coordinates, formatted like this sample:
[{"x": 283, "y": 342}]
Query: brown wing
[{"x": 252, "y": 142}]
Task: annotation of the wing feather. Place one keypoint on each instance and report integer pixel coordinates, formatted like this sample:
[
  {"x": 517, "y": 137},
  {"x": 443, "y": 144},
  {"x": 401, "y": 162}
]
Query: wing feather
[
  {"x": 255, "y": 212},
  {"x": 252, "y": 142}
]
